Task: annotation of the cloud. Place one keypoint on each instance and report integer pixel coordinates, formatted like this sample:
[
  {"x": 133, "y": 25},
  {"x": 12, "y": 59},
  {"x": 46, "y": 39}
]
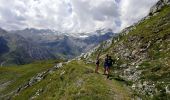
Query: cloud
[
  {"x": 72, "y": 15},
  {"x": 133, "y": 10}
]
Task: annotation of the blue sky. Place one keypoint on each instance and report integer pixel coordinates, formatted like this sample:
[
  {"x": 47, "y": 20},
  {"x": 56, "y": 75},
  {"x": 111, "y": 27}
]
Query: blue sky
[{"x": 72, "y": 15}]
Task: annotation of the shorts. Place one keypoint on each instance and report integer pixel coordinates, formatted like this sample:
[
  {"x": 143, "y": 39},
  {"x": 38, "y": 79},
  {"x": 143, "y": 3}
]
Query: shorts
[{"x": 106, "y": 66}]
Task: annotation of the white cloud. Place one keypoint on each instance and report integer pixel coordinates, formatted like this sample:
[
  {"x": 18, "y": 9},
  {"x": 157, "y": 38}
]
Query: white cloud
[
  {"x": 133, "y": 10},
  {"x": 72, "y": 15}
]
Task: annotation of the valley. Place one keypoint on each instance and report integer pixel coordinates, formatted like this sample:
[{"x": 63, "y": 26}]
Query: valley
[{"x": 141, "y": 70}]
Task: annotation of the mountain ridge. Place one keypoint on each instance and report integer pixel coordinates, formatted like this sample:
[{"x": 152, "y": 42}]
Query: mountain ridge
[
  {"x": 21, "y": 51},
  {"x": 25, "y": 46},
  {"x": 141, "y": 70},
  {"x": 63, "y": 45},
  {"x": 142, "y": 53}
]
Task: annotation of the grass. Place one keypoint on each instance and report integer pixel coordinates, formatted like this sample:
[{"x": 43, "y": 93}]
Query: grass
[
  {"x": 76, "y": 81},
  {"x": 18, "y": 75},
  {"x": 155, "y": 31}
]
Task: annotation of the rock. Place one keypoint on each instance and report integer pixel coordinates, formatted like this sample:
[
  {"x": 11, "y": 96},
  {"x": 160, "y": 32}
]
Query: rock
[
  {"x": 137, "y": 66},
  {"x": 79, "y": 83},
  {"x": 38, "y": 92},
  {"x": 158, "y": 6},
  {"x": 85, "y": 56},
  {"x": 79, "y": 59},
  {"x": 107, "y": 44},
  {"x": 67, "y": 62},
  {"x": 123, "y": 66},
  {"x": 167, "y": 89},
  {"x": 134, "y": 52},
  {"x": 131, "y": 74},
  {"x": 59, "y": 65},
  {"x": 144, "y": 88},
  {"x": 5, "y": 84},
  {"x": 62, "y": 73},
  {"x": 39, "y": 77},
  {"x": 127, "y": 54}
]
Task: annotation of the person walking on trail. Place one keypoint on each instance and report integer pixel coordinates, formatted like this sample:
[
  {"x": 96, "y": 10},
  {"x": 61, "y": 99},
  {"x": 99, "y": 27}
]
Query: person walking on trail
[
  {"x": 106, "y": 64},
  {"x": 110, "y": 64},
  {"x": 97, "y": 62},
  {"x": 97, "y": 65}
]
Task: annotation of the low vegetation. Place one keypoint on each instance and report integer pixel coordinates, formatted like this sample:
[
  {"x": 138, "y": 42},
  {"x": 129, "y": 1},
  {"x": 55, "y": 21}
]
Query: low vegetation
[
  {"x": 76, "y": 80},
  {"x": 14, "y": 76}
]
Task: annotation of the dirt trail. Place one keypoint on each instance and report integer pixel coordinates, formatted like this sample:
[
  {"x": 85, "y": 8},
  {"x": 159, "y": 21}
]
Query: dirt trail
[{"x": 121, "y": 92}]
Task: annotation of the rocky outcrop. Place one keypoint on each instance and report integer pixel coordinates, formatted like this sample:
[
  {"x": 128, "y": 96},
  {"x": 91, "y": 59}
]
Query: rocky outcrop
[
  {"x": 158, "y": 6},
  {"x": 39, "y": 77}
]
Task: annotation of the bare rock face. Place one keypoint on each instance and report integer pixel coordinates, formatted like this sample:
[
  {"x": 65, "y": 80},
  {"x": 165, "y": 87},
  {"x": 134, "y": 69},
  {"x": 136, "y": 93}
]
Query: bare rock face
[{"x": 158, "y": 6}]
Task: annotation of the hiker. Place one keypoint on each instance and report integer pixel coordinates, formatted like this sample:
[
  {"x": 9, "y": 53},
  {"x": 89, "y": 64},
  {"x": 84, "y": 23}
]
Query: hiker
[
  {"x": 97, "y": 65},
  {"x": 110, "y": 64},
  {"x": 106, "y": 64}
]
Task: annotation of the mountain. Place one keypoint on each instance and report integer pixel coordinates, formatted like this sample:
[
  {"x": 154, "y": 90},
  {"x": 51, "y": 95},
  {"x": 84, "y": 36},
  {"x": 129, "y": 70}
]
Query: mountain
[
  {"x": 16, "y": 49},
  {"x": 38, "y": 35},
  {"x": 25, "y": 46},
  {"x": 141, "y": 70},
  {"x": 142, "y": 54},
  {"x": 65, "y": 45}
]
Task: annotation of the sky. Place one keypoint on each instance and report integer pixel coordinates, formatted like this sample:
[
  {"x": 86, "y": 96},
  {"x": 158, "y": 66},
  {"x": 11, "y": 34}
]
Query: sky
[{"x": 72, "y": 15}]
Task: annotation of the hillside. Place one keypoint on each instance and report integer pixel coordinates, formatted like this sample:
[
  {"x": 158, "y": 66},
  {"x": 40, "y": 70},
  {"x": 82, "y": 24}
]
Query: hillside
[
  {"x": 142, "y": 54},
  {"x": 11, "y": 78},
  {"x": 141, "y": 70},
  {"x": 71, "y": 80}
]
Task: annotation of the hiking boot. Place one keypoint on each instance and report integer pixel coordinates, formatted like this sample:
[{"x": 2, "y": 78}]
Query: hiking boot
[{"x": 107, "y": 76}]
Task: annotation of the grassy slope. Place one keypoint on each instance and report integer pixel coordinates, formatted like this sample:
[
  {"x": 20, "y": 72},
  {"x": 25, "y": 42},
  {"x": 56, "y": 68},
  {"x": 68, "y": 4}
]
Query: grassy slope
[
  {"x": 16, "y": 76},
  {"x": 156, "y": 66},
  {"x": 76, "y": 81},
  {"x": 156, "y": 30}
]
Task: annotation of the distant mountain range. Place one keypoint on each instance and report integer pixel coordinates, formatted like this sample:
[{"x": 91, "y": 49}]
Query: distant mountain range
[
  {"x": 17, "y": 49},
  {"x": 24, "y": 46}
]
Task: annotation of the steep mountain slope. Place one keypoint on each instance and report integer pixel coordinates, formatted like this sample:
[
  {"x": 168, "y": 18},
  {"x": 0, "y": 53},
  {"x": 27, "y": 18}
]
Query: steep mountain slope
[
  {"x": 142, "y": 54},
  {"x": 70, "y": 80},
  {"x": 3, "y": 44},
  {"x": 18, "y": 50},
  {"x": 11, "y": 78}
]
